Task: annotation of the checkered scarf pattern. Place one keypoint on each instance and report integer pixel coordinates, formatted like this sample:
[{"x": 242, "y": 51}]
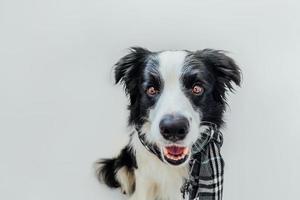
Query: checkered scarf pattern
[{"x": 206, "y": 172}]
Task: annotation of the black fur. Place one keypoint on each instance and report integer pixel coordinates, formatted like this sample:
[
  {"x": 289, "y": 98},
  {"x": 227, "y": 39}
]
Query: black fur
[
  {"x": 109, "y": 167},
  {"x": 128, "y": 71},
  {"x": 220, "y": 72}
]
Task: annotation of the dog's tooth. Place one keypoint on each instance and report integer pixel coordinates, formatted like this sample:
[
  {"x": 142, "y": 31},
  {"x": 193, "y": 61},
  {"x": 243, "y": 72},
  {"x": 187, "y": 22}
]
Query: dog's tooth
[
  {"x": 185, "y": 151},
  {"x": 170, "y": 156},
  {"x": 165, "y": 151}
]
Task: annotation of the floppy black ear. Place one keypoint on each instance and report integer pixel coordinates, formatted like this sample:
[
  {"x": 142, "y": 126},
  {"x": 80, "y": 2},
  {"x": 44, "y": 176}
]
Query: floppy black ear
[
  {"x": 128, "y": 68},
  {"x": 224, "y": 68}
]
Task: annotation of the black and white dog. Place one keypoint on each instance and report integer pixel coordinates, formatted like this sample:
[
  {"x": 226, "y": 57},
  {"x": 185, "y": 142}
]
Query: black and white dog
[{"x": 171, "y": 93}]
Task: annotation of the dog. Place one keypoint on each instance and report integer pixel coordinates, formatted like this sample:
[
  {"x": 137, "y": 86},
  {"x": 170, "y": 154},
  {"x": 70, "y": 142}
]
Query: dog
[{"x": 171, "y": 93}]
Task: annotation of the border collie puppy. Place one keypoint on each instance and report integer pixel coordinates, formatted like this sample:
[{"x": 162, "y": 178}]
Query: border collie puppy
[{"x": 171, "y": 94}]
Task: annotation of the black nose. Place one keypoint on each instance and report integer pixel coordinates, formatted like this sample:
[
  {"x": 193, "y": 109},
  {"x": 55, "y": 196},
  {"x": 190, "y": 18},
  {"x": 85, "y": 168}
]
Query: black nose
[{"x": 174, "y": 127}]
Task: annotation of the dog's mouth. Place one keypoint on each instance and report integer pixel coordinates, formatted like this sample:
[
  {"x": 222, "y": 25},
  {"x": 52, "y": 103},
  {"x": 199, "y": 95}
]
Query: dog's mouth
[{"x": 175, "y": 155}]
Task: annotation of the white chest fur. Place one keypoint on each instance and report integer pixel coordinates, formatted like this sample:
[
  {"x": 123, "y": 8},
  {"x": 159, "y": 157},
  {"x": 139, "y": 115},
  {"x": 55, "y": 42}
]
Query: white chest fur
[{"x": 156, "y": 180}]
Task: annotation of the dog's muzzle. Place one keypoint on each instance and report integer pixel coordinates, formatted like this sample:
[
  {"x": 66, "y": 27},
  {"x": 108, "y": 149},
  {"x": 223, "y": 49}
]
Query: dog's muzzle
[{"x": 174, "y": 128}]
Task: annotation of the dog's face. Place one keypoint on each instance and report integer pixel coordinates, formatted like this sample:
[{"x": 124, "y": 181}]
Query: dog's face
[{"x": 173, "y": 92}]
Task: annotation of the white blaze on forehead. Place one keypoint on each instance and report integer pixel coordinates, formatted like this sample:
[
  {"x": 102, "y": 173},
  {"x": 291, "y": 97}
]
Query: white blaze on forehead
[{"x": 170, "y": 66}]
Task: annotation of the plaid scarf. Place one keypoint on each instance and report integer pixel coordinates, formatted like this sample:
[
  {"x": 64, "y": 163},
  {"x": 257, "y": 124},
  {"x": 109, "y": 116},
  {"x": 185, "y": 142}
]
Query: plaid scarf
[
  {"x": 206, "y": 172},
  {"x": 205, "y": 181}
]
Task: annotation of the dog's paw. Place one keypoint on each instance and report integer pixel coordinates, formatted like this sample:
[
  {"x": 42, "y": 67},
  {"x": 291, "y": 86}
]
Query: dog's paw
[{"x": 126, "y": 179}]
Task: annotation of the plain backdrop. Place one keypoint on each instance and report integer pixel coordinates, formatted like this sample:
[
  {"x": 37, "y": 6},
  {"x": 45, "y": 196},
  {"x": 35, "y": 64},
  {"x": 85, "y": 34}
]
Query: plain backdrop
[{"x": 60, "y": 111}]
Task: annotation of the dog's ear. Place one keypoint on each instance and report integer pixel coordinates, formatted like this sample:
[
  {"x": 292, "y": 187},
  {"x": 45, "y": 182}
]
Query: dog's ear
[
  {"x": 128, "y": 68},
  {"x": 224, "y": 68}
]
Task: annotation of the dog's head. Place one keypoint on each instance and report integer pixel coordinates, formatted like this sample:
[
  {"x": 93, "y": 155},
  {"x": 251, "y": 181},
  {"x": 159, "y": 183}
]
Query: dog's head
[{"x": 172, "y": 92}]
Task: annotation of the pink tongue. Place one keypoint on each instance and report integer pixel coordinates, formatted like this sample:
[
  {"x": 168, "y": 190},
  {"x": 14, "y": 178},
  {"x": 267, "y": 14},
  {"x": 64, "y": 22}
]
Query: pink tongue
[{"x": 174, "y": 150}]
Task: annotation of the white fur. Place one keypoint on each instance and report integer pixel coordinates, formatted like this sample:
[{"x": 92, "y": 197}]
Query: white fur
[
  {"x": 126, "y": 179},
  {"x": 156, "y": 180}
]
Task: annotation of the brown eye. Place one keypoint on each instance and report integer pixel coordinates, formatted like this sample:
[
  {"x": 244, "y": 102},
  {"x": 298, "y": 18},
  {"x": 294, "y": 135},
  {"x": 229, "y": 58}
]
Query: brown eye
[
  {"x": 197, "y": 89},
  {"x": 151, "y": 91}
]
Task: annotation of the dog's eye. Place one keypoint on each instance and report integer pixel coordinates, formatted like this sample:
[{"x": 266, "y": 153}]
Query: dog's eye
[
  {"x": 197, "y": 89},
  {"x": 152, "y": 91}
]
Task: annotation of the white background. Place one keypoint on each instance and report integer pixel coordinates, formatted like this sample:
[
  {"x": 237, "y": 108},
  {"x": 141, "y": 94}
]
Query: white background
[{"x": 60, "y": 112}]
